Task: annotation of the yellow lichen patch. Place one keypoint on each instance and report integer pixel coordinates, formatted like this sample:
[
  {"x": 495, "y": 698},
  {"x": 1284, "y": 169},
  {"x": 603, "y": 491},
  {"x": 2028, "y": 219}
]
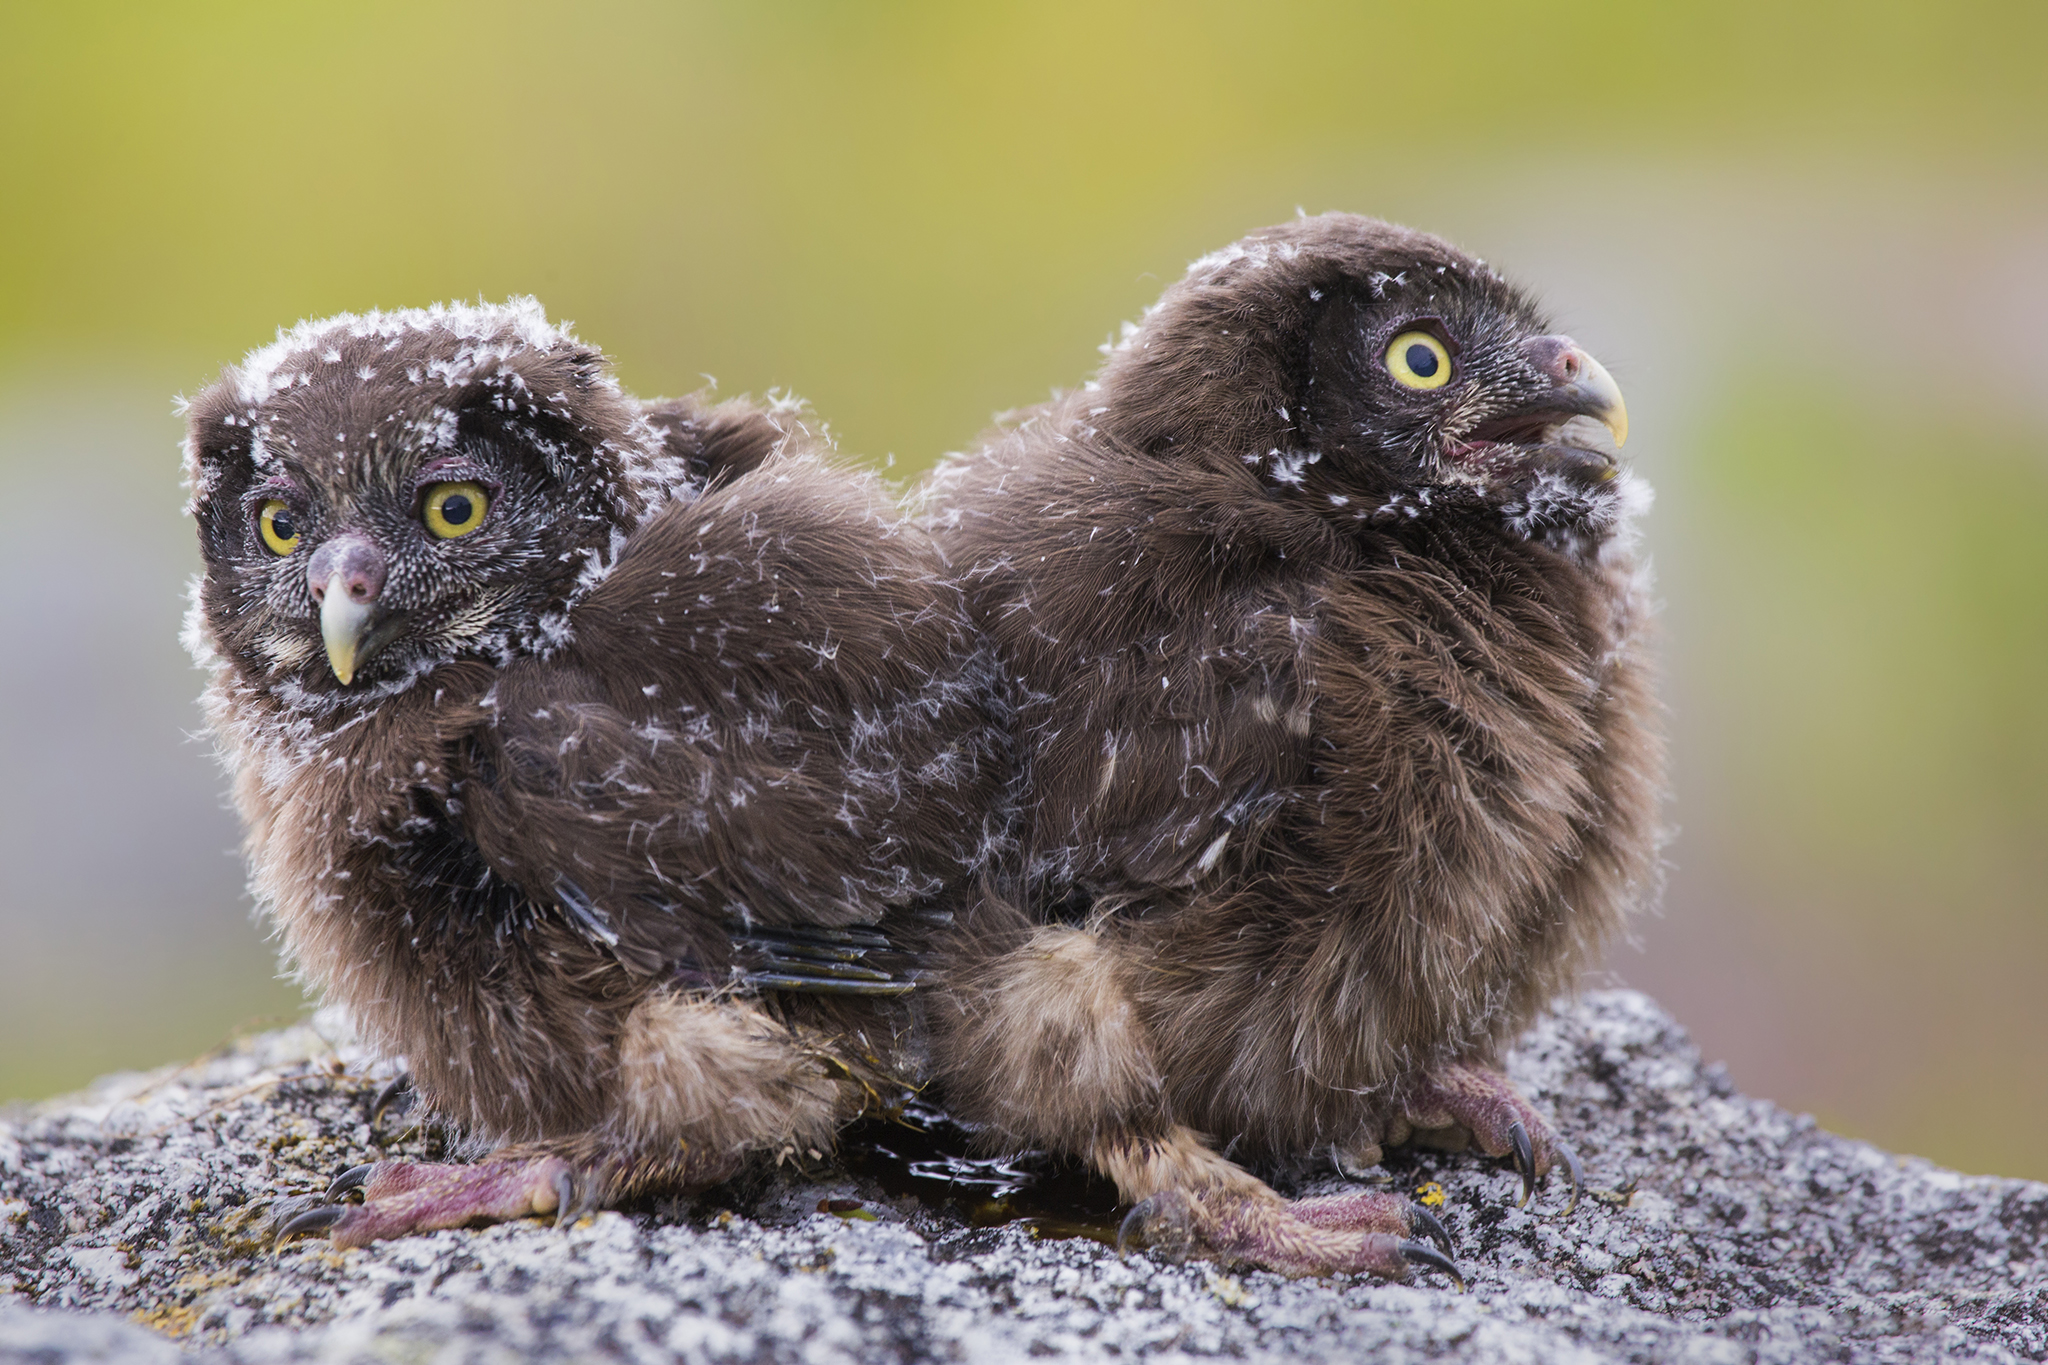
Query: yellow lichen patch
[
  {"x": 175, "y": 1321},
  {"x": 179, "y": 1312},
  {"x": 1229, "y": 1291},
  {"x": 1430, "y": 1194},
  {"x": 243, "y": 1231}
]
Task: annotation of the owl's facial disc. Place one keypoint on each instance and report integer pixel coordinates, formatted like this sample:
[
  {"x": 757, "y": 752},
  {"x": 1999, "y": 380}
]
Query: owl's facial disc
[{"x": 346, "y": 576}]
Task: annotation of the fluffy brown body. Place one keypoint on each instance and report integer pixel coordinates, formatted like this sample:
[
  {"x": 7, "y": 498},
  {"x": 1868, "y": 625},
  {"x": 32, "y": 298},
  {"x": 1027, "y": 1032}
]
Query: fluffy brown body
[
  {"x": 1339, "y": 743},
  {"x": 687, "y": 689}
]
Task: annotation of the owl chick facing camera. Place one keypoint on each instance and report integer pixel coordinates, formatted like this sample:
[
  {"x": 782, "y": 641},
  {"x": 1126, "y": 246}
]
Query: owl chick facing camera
[{"x": 611, "y": 761}]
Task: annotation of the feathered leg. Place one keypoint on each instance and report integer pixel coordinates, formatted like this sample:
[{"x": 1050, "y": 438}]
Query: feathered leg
[
  {"x": 698, "y": 1085},
  {"x": 1045, "y": 1045}
]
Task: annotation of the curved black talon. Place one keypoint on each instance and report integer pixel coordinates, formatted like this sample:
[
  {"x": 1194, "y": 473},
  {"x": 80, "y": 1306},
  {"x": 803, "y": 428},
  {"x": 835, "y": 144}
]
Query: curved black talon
[
  {"x": 317, "y": 1219},
  {"x": 1571, "y": 1165},
  {"x": 574, "y": 1197},
  {"x": 1421, "y": 1219},
  {"x": 398, "y": 1087},
  {"x": 1415, "y": 1253},
  {"x": 1525, "y": 1160},
  {"x": 354, "y": 1178},
  {"x": 1133, "y": 1221},
  {"x": 565, "y": 1198}
]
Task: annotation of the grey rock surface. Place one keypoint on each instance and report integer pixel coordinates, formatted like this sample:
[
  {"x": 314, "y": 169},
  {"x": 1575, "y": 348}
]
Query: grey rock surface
[{"x": 135, "y": 1220}]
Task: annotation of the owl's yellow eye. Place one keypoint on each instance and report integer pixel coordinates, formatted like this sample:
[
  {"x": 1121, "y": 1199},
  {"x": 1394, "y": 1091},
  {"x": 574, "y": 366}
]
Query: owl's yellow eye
[
  {"x": 1418, "y": 360},
  {"x": 455, "y": 509},
  {"x": 274, "y": 523}
]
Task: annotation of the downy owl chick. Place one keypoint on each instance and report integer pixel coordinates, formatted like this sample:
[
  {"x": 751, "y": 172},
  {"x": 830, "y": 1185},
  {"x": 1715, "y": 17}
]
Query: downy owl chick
[
  {"x": 1337, "y": 729},
  {"x": 609, "y": 760}
]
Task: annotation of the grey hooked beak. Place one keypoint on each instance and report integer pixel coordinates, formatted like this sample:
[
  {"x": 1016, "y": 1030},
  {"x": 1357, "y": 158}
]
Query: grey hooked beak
[
  {"x": 346, "y": 576},
  {"x": 1602, "y": 397},
  {"x": 343, "y": 624},
  {"x": 1580, "y": 385}
]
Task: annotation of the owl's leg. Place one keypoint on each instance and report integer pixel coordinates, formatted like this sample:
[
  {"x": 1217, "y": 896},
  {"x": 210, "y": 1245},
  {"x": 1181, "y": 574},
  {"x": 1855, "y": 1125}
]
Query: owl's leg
[
  {"x": 1465, "y": 1103},
  {"x": 697, "y": 1086},
  {"x": 1046, "y": 1046}
]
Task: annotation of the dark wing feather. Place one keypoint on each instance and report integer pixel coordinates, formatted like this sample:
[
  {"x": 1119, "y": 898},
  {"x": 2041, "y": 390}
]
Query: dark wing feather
[
  {"x": 823, "y": 962},
  {"x": 810, "y": 961},
  {"x": 776, "y": 733}
]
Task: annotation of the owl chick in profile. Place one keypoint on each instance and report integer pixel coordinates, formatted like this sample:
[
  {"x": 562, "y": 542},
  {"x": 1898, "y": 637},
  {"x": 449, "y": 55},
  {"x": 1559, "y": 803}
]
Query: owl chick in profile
[
  {"x": 1340, "y": 750},
  {"x": 607, "y": 759}
]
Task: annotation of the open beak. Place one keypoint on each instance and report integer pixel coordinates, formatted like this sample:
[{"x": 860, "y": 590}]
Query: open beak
[
  {"x": 1539, "y": 427},
  {"x": 1580, "y": 385},
  {"x": 1595, "y": 394},
  {"x": 343, "y": 624}
]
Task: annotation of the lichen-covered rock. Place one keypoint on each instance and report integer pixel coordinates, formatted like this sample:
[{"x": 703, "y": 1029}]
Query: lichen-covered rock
[{"x": 1750, "y": 1235}]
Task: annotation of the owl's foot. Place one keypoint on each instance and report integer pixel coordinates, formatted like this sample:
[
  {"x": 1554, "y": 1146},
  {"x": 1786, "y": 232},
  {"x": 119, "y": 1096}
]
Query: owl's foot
[
  {"x": 1373, "y": 1211},
  {"x": 1344, "y": 1235},
  {"x": 401, "y": 1197},
  {"x": 1193, "y": 1203},
  {"x": 1461, "y": 1104}
]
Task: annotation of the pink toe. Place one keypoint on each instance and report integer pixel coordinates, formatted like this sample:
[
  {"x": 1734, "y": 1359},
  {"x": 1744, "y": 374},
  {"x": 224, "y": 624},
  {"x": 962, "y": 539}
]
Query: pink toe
[{"x": 404, "y": 1197}]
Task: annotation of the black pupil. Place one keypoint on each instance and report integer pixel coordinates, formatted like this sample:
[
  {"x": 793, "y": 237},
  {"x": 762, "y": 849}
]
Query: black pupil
[
  {"x": 281, "y": 525},
  {"x": 455, "y": 509},
  {"x": 1422, "y": 360}
]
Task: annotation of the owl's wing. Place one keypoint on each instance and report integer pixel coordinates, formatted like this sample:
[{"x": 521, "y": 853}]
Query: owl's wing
[
  {"x": 696, "y": 857},
  {"x": 1164, "y": 711},
  {"x": 765, "y": 746},
  {"x": 806, "y": 960}
]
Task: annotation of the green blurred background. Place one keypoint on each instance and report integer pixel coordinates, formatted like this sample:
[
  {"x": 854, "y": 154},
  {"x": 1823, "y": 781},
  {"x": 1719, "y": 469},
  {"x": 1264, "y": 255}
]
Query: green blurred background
[{"x": 1811, "y": 241}]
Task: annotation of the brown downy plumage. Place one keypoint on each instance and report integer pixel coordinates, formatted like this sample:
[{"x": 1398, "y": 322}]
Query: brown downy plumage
[
  {"x": 610, "y": 761},
  {"x": 1337, "y": 727}
]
